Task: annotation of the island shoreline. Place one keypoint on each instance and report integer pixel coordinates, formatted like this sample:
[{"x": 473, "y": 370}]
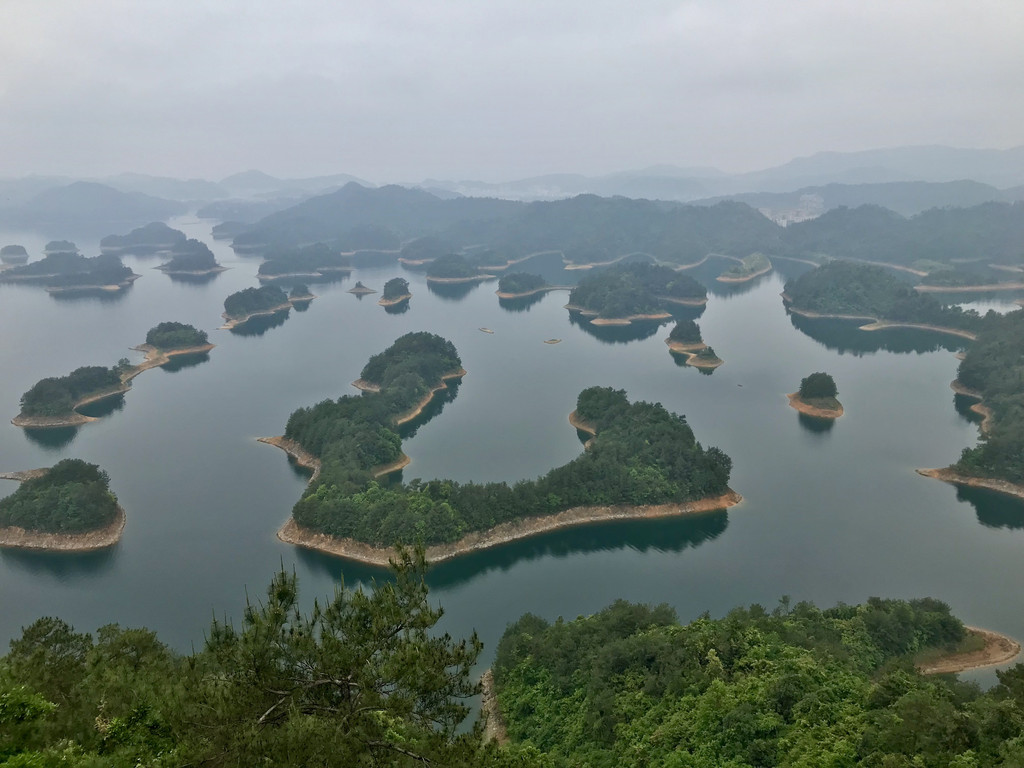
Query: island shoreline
[
  {"x": 14, "y": 537},
  {"x": 807, "y": 409},
  {"x": 999, "y": 649}
]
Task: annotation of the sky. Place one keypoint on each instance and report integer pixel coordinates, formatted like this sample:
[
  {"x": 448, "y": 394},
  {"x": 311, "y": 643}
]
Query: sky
[{"x": 404, "y": 90}]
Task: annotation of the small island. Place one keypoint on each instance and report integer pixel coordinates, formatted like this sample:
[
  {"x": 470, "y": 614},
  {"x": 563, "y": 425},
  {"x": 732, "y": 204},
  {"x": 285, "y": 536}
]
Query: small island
[
  {"x": 685, "y": 339},
  {"x": 455, "y": 268},
  {"x": 148, "y": 240},
  {"x": 67, "y": 271},
  {"x": 300, "y": 295},
  {"x": 248, "y": 303},
  {"x": 817, "y": 397},
  {"x": 360, "y": 290},
  {"x": 67, "y": 508},
  {"x": 631, "y": 292},
  {"x": 520, "y": 285},
  {"x": 54, "y": 402},
  {"x": 317, "y": 262},
  {"x": 754, "y": 265},
  {"x": 396, "y": 291},
  {"x": 13, "y": 254},
  {"x": 193, "y": 258},
  {"x": 59, "y": 246}
]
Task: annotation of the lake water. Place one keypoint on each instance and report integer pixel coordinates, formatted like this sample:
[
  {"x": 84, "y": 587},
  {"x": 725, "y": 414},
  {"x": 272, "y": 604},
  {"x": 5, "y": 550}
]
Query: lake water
[{"x": 830, "y": 514}]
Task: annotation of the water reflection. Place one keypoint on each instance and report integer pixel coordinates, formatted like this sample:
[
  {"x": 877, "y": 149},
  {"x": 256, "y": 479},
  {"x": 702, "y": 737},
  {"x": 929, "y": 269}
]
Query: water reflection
[
  {"x": 259, "y": 325},
  {"x": 181, "y": 362},
  {"x": 105, "y": 407},
  {"x": 193, "y": 279},
  {"x": 962, "y": 405},
  {"x": 397, "y": 309},
  {"x": 845, "y": 336},
  {"x": 452, "y": 291},
  {"x": 91, "y": 295},
  {"x": 815, "y": 425},
  {"x": 53, "y": 438},
  {"x": 432, "y": 409},
  {"x": 374, "y": 258},
  {"x": 61, "y": 566},
  {"x": 994, "y": 510},
  {"x": 522, "y": 304}
]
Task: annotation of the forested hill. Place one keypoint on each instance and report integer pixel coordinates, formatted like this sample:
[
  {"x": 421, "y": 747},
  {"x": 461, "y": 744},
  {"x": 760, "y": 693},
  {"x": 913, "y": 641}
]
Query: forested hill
[{"x": 631, "y": 688}]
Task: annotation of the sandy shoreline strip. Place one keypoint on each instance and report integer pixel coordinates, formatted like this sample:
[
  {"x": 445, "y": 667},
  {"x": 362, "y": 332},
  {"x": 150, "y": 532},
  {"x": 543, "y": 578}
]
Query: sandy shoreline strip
[
  {"x": 457, "y": 280},
  {"x": 999, "y": 649},
  {"x": 811, "y": 410},
  {"x": 615, "y": 320},
  {"x": 873, "y": 323},
  {"x": 397, "y": 300},
  {"x": 950, "y": 475},
  {"x": 418, "y": 408},
  {"x": 692, "y": 358},
  {"x": 743, "y": 278},
  {"x": 350, "y": 549},
  {"x": 19, "y": 538},
  {"x": 970, "y": 288},
  {"x": 301, "y": 456},
  {"x": 234, "y": 322},
  {"x": 986, "y": 413},
  {"x": 534, "y": 292}
]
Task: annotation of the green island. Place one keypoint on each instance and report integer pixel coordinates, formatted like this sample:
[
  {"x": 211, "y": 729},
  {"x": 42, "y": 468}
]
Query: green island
[
  {"x": 13, "y": 254},
  {"x": 396, "y": 290},
  {"x": 455, "y": 268},
  {"x": 68, "y": 507},
  {"x": 817, "y": 397},
  {"x": 519, "y": 285},
  {"x": 848, "y": 290},
  {"x": 749, "y": 267},
  {"x": 53, "y": 401},
  {"x": 318, "y": 261},
  {"x": 628, "y": 686},
  {"x": 59, "y": 246},
  {"x": 248, "y": 303},
  {"x": 991, "y": 372},
  {"x": 67, "y": 271},
  {"x": 191, "y": 257},
  {"x": 152, "y": 238},
  {"x": 642, "y": 462},
  {"x": 797, "y": 686},
  {"x": 624, "y": 293},
  {"x": 685, "y": 339},
  {"x": 360, "y": 290}
]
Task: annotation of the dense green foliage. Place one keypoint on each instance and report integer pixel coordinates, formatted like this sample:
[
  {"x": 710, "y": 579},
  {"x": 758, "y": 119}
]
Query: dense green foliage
[
  {"x": 71, "y": 497},
  {"x": 642, "y": 455},
  {"x": 56, "y": 396},
  {"x": 60, "y": 246},
  {"x": 251, "y": 300},
  {"x": 65, "y": 268},
  {"x": 452, "y": 266},
  {"x": 360, "y": 680},
  {"x": 749, "y": 265},
  {"x": 797, "y": 687},
  {"x": 191, "y": 256},
  {"x": 150, "y": 238},
  {"x": 848, "y": 288},
  {"x": 300, "y": 292},
  {"x": 817, "y": 385},
  {"x": 521, "y": 282},
  {"x": 686, "y": 332},
  {"x": 395, "y": 288},
  {"x": 307, "y": 260},
  {"x": 993, "y": 366},
  {"x": 171, "y": 335},
  {"x": 636, "y": 288}
]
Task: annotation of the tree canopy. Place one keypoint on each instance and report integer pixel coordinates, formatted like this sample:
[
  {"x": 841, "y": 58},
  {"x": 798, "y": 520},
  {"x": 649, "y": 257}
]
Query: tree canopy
[
  {"x": 818, "y": 386},
  {"x": 56, "y": 396},
  {"x": 73, "y": 496},
  {"x": 172, "y": 335},
  {"x": 251, "y": 300},
  {"x": 637, "y": 288}
]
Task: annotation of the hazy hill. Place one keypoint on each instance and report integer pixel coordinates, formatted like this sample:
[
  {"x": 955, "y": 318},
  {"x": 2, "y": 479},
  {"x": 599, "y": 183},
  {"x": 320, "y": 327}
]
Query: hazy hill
[
  {"x": 257, "y": 184},
  {"x": 166, "y": 187},
  {"x": 92, "y": 206}
]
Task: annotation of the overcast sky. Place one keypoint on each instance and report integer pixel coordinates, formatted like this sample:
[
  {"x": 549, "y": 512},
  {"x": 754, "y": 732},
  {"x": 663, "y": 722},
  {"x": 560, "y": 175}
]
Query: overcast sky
[{"x": 400, "y": 90}]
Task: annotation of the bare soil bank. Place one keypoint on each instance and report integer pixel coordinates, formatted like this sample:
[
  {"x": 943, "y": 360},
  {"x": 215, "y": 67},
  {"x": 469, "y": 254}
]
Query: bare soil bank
[
  {"x": 692, "y": 358},
  {"x": 986, "y": 413},
  {"x": 494, "y": 722},
  {"x": 505, "y": 533},
  {"x": 743, "y": 278},
  {"x": 811, "y": 410},
  {"x": 998, "y": 649},
  {"x": 615, "y": 320},
  {"x": 19, "y": 538},
  {"x": 394, "y": 301},
  {"x": 306, "y": 459},
  {"x": 456, "y": 280},
  {"x": 534, "y": 292},
  {"x": 233, "y": 322},
  {"x": 950, "y": 475}
]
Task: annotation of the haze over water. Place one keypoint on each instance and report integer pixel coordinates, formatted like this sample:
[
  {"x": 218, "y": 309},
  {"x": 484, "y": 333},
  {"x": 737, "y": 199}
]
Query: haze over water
[{"x": 829, "y": 514}]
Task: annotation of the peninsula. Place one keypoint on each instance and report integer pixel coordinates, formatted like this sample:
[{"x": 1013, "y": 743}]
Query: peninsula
[
  {"x": 817, "y": 397},
  {"x": 344, "y": 511},
  {"x": 67, "y": 508},
  {"x": 455, "y": 268}
]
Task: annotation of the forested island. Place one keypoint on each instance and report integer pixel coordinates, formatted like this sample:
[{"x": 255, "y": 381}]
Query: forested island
[
  {"x": 253, "y": 302},
  {"x": 817, "y": 397},
  {"x": 643, "y": 462},
  {"x": 623, "y": 293},
  {"x": 13, "y": 254},
  {"x": 147, "y": 240},
  {"x": 59, "y": 246},
  {"x": 992, "y": 371},
  {"x": 70, "y": 271},
  {"x": 318, "y": 261},
  {"x": 191, "y": 257},
  {"x": 396, "y": 290},
  {"x": 749, "y": 267},
  {"x": 685, "y": 339},
  {"x": 849, "y": 290},
  {"x": 519, "y": 285},
  {"x": 797, "y": 686},
  {"x": 68, "y": 507},
  {"x": 455, "y": 268},
  {"x": 53, "y": 401}
]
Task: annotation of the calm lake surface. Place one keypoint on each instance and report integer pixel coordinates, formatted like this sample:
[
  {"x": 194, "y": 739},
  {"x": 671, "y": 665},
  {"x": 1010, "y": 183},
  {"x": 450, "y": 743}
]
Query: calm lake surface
[{"x": 830, "y": 514}]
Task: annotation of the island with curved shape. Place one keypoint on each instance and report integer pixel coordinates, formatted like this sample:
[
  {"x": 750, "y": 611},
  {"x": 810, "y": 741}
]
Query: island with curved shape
[
  {"x": 191, "y": 258},
  {"x": 66, "y": 508},
  {"x": 151, "y": 239},
  {"x": 685, "y": 339},
  {"x": 521, "y": 285},
  {"x": 748, "y": 268},
  {"x": 455, "y": 268},
  {"x": 54, "y": 402},
  {"x": 817, "y": 397},
  {"x": 632, "y": 292},
  {"x": 643, "y": 462},
  {"x": 396, "y": 291},
  {"x": 244, "y": 305}
]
